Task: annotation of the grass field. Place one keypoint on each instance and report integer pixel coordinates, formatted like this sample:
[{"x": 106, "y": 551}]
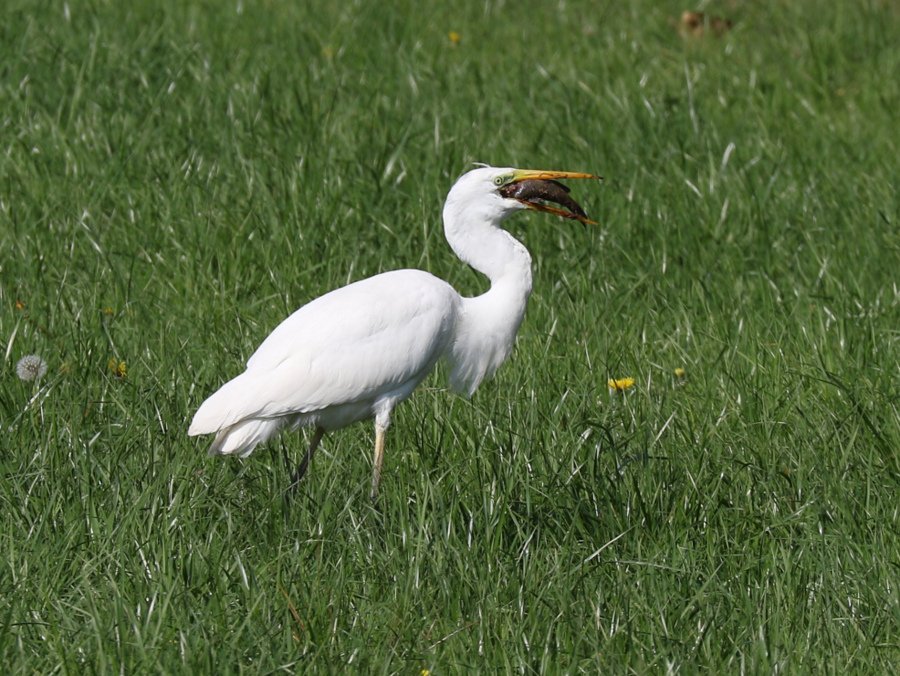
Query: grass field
[{"x": 177, "y": 177}]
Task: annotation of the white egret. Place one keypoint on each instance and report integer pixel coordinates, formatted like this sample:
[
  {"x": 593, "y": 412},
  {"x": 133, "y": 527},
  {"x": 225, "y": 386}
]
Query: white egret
[{"x": 358, "y": 351}]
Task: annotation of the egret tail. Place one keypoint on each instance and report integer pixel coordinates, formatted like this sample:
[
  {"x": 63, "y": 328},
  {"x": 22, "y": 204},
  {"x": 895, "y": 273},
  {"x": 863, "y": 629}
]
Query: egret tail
[
  {"x": 238, "y": 425},
  {"x": 241, "y": 438},
  {"x": 231, "y": 404}
]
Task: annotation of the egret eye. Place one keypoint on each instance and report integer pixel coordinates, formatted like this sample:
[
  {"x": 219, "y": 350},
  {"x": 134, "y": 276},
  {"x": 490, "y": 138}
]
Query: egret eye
[{"x": 499, "y": 180}]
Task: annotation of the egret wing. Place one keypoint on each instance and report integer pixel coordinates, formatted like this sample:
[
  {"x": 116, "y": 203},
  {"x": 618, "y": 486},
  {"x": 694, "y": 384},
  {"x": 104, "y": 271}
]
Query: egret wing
[{"x": 354, "y": 344}]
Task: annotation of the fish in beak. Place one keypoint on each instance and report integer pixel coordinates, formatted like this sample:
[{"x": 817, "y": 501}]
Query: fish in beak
[{"x": 535, "y": 188}]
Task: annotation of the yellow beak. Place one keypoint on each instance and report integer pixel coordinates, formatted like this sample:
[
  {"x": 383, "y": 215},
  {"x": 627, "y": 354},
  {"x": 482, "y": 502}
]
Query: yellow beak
[{"x": 545, "y": 175}]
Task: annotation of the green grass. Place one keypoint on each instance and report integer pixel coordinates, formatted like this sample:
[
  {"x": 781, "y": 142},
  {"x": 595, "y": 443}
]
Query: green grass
[{"x": 176, "y": 177}]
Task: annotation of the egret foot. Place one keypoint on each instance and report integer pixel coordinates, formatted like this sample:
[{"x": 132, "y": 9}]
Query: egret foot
[{"x": 304, "y": 464}]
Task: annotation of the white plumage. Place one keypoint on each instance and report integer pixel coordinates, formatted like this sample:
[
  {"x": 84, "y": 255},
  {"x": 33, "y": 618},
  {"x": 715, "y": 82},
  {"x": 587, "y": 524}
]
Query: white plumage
[{"x": 358, "y": 351}]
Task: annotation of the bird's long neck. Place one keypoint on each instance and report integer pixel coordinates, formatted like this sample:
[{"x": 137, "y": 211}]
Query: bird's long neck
[
  {"x": 489, "y": 322},
  {"x": 479, "y": 241}
]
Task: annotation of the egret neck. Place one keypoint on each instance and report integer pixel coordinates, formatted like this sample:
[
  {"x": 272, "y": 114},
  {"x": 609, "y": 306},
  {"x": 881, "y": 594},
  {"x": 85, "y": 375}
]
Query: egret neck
[{"x": 487, "y": 324}]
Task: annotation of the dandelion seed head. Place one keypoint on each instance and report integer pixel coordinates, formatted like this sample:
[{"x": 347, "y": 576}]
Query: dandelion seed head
[{"x": 31, "y": 367}]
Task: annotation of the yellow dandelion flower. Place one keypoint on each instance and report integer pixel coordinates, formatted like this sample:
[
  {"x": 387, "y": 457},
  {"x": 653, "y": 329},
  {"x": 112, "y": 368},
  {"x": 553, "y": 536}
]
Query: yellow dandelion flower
[
  {"x": 108, "y": 311},
  {"x": 425, "y": 672},
  {"x": 619, "y": 384},
  {"x": 117, "y": 367},
  {"x": 455, "y": 38},
  {"x": 19, "y": 305},
  {"x": 680, "y": 372}
]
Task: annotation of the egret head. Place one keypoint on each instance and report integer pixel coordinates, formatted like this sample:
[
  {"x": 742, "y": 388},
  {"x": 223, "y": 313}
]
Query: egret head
[{"x": 499, "y": 192}]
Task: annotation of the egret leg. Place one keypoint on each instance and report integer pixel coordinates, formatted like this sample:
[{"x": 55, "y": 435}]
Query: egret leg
[
  {"x": 379, "y": 458},
  {"x": 304, "y": 464}
]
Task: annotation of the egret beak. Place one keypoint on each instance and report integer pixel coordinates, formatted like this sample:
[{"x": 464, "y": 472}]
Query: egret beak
[
  {"x": 543, "y": 175},
  {"x": 535, "y": 187}
]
